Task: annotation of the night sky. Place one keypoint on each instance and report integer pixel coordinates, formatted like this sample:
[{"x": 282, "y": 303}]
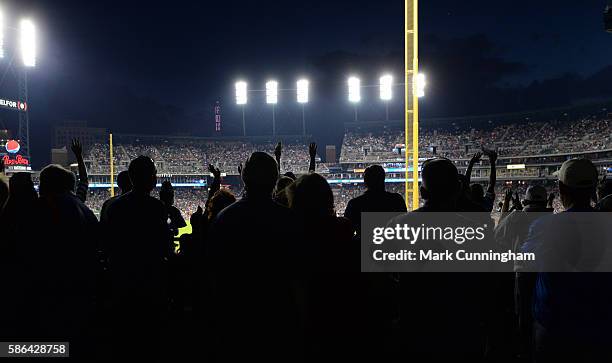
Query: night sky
[{"x": 158, "y": 67}]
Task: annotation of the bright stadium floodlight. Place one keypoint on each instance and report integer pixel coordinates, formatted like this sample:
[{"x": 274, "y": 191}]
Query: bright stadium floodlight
[
  {"x": 386, "y": 85},
  {"x": 420, "y": 85},
  {"x": 241, "y": 93},
  {"x": 271, "y": 92},
  {"x": 302, "y": 91},
  {"x": 28, "y": 43},
  {"x": 354, "y": 88}
]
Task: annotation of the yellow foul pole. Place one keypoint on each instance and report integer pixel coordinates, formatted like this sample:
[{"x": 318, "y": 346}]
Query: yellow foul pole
[
  {"x": 411, "y": 59},
  {"x": 112, "y": 166}
]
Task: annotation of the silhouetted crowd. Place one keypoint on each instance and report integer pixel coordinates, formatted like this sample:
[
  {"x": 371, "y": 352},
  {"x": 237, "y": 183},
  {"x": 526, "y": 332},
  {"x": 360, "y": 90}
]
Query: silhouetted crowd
[{"x": 273, "y": 274}]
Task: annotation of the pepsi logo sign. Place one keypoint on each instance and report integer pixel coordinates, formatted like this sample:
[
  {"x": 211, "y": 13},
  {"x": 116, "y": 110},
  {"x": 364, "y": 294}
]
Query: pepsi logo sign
[{"x": 12, "y": 147}]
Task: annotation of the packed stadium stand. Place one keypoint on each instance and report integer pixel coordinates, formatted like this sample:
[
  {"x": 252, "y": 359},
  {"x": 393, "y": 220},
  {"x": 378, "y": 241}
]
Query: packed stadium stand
[
  {"x": 192, "y": 155},
  {"x": 529, "y": 152},
  {"x": 455, "y": 142}
]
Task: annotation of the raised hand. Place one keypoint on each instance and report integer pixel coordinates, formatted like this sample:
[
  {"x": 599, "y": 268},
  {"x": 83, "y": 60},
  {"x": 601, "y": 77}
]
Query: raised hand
[
  {"x": 516, "y": 202},
  {"x": 476, "y": 158},
  {"x": 76, "y": 148},
  {"x": 278, "y": 150},
  {"x": 508, "y": 195},
  {"x": 216, "y": 172},
  {"x": 312, "y": 150},
  {"x": 240, "y": 169},
  {"x": 492, "y": 156}
]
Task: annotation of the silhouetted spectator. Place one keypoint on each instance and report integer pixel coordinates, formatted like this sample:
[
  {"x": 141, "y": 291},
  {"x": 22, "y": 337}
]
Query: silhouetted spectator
[
  {"x": 375, "y": 199},
  {"x": 138, "y": 256},
  {"x": 280, "y": 195},
  {"x": 175, "y": 220},
  {"x": 510, "y": 234},
  {"x": 61, "y": 261},
  {"x": 125, "y": 185},
  {"x": 222, "y": 199},
  {"x": 250, "y": 255},
  {"x": 16, "y": 215},
  {"x": 440, "y": 186},
  {"x": 442, "y": 309},
  {"x": 333, "y": 309},
  {"x": 572, "y": 310},
  {"x": 512, "y": 230},
  {"x": 476, "y": 192}
]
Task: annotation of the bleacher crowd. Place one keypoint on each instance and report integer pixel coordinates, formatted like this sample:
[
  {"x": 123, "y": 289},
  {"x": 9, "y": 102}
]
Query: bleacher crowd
[{"x": 515, "y": 139}]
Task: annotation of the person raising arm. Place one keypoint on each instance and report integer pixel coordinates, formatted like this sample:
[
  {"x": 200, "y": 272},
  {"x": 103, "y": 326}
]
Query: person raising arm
[{"x": 83, "y": 183}]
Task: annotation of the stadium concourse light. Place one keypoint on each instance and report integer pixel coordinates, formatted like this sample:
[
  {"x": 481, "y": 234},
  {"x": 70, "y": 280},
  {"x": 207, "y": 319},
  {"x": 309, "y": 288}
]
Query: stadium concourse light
[
  {"x": 28, "y": 43},
  {"x": 420, "y": 85},
  {"x": 386, "y": 84},
  {"x": 241, "y": 93},
  {"x": 271, "y": 92},
  {"x": 354, "y": 88},
  {"x": 302, "y": 91}
]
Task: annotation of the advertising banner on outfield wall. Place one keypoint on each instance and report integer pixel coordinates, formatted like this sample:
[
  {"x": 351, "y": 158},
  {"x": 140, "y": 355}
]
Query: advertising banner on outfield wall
[{"x": 475, "y": 242}]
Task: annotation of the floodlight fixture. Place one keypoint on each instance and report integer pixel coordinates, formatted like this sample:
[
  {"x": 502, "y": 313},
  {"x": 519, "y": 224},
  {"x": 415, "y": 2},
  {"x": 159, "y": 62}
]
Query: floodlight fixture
[
  {"x": 28, "y": 42},
  {"x": 241, "y": 93},
  {"x": 302, "y": 91},
  {"x": 272, "y": 92},
  {"x": 386, "y": 85},
  {"x": 354, "y": 89}
]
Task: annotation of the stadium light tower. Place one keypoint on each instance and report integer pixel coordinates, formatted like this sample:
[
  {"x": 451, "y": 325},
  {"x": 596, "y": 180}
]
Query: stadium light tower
[
  {"x": 411, "y": 143},
  {"x": 241, "y": 99},
  {"x": 386, "y": 91},
  {"x": 272, "y": 99},
  {"x": 27, "y": 47},
  {"x": 354, "y": 92},
  {"x": 28, "y": 42},
  {"x": 302, "y": 98}
]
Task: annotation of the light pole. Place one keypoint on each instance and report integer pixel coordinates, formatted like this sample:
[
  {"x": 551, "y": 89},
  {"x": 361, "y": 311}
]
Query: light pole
[
  {"x": 272, "y": 98},
  {"x": 354, "y": 92},
  {"x": 243, "y": 123},
  {"x": 241, "y": 99}
]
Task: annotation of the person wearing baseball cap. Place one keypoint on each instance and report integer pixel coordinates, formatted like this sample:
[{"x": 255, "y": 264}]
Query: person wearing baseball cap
[
  {"x": 535, "y": 197},
  {"x": 571, "y": 310},
  {"x": 578, "y": 180}
]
